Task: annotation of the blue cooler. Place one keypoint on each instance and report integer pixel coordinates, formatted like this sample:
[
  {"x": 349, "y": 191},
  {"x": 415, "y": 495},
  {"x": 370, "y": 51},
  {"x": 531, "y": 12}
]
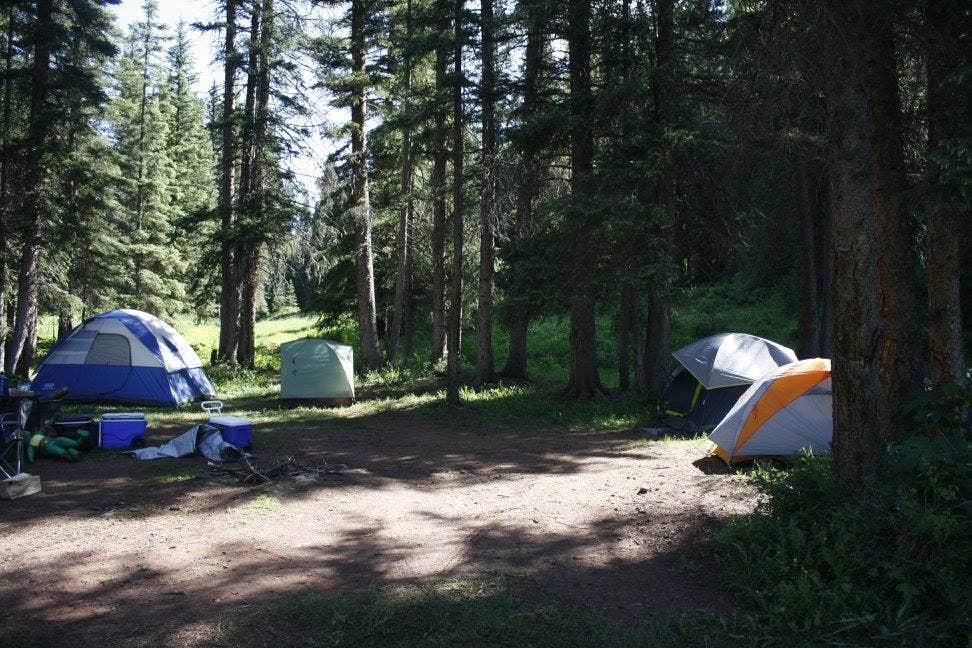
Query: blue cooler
[
  {"x": 123, "y": 430},
  {"x": 236, "y": 430}
]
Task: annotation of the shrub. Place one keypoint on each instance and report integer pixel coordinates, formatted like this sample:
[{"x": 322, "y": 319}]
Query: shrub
[{"x": 885, "y": 564}]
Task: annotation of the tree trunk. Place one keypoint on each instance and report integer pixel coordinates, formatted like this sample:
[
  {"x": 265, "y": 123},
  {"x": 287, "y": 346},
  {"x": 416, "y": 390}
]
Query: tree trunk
[
  {"x": 401, "y": 311},
  {"x": 34, "y": 173},
  {"x": 901, "y": 354},
  {"x": 625, "y": 307},
  {"x": 5, "y": 178},
  {"x": 440, "y": 159},
  {"x": 639, "y": 348},
  {"x": 585, "y": 381},
  {"x": 361, "y": 206},
  {"x": 249, "y": 254},
  {"x": 825, "y": 265},
  {"x": 658, "y": 346},
  {"x": 858, "y": 425},
  {"x": 458, "y": 206},
  {"x": 810, "y": 333},
  {"x": 249, "y": 107},
  {"x": 944, "y": 209},
  {"x": 658, "y": 335},
  {"x": 526, "y": 192},
  {"x": 485, "y": 371},
  {"x": 229, "y": 297},
  {"x": 29, "y": 350},
  {"x": 248, "y": 270},
  {"x": 65, "y": 324}
]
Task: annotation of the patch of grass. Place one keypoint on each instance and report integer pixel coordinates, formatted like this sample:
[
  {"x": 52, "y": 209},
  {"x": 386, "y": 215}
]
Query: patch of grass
[
  {"x": 264, "y": 502},
  {"x": 485, "y": 612},
  {"x": 886, "y": 564},
  {"x": 164, "y": 474},
  {"x": 532, "y": 406}
]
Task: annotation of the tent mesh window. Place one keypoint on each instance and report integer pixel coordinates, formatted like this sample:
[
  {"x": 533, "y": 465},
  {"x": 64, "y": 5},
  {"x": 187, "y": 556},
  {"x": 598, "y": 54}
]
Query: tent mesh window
[{"x": 110, "y": 349}]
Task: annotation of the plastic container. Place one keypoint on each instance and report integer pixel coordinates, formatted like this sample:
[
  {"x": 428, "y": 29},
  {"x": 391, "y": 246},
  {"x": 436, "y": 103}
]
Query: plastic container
[
  {"x": 236, "y": 430},
  {"x": 123, "y": 430}
]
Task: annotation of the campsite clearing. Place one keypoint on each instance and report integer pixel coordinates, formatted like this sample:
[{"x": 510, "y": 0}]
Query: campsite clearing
[{"x": 124, "y": 552}]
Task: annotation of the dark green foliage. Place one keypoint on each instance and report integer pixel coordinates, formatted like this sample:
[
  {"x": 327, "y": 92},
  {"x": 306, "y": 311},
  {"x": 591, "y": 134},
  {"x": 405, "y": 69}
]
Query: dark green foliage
[
  {"x": 946, "y": 409},
  {"x": 884, "y": 565},
  {"x": 743, "y": 305}
]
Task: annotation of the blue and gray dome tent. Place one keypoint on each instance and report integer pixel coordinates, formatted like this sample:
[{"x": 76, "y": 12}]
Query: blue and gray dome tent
[{"x": 124, "y": 356}]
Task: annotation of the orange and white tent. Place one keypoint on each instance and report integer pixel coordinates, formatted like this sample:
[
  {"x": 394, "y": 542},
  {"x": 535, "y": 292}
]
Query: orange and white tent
[{"x": 787, "y": 410}]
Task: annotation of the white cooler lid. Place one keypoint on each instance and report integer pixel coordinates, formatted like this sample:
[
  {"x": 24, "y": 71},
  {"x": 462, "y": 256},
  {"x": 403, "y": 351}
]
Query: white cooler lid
[
  {"x": 229, "y": 421},
  {"x": 123, "y": 416}
]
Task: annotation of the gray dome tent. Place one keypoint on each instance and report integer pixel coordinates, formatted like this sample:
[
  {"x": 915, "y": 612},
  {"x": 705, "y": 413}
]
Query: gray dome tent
[{"x": 713, "y": 372}]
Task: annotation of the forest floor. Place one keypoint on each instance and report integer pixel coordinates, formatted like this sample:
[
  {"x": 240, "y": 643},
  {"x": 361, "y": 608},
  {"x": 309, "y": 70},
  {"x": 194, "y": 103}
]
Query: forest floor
[
  {"x": 577, "y": 510},
  {"x": 116, "y": 551}
]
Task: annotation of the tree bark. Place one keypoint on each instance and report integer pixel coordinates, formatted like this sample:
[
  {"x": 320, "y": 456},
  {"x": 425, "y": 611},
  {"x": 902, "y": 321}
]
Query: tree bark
[
  {"x": 458, "y": 207},
  {"x": 659, "y": 332},
  {"x": 229, "y": 297},
  {"x": 825, "y": 264},
  {"x": 944, "y": 209},
  {"x": 439, "y": 162},
  {"x": 249, "y": 254},
  {"x": 485, "y": 371},
  {"x": 625, "y": 308},
  {"x": 585, "y": 380},
  {"x": 247, "y": 137},
  {"x": 401, "y": 311},
  {"x": 5, "y": 178},
  {"x": 526, "y": 192},
  {"x": 858, "y": 424},
  {"x": 361, "y": 206},
  {"x": 22, "y": 345},
  {"x": 810, "y": 333},
  {"x": 901, "y": 353}
]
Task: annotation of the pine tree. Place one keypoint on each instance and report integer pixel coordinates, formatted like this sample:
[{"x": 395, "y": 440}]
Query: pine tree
[
  {"x": 54, "y": 77},
  {"x": 141, "y": 115},
  {"x": 188, "y": 148}
]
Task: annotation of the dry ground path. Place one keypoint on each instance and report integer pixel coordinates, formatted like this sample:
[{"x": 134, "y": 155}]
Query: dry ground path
[{"x": 119, "y": 552}]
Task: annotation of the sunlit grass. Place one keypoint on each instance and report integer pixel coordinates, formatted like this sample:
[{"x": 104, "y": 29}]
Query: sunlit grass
[{"x": 169, "y": 474}]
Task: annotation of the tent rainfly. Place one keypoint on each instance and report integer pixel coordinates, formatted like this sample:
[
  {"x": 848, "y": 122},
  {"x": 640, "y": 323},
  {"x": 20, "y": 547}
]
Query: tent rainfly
[
  {"x": 713, "y": 372},
  {"x": 124, "y": 356},
  {"x": 316, "y": 372},
  {"x": 782, "y": 413}
]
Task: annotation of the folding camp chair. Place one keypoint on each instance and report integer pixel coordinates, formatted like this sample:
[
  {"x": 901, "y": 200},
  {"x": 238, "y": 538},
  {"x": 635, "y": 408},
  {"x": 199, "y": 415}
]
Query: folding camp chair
[{"x": 11, "y": 445}]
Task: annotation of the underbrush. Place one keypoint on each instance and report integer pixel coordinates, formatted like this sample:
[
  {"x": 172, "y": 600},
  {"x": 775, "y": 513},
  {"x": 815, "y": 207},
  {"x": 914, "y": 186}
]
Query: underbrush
[
  {"x": 887, "y": 564},
  {"x": 766, "y": 311}
]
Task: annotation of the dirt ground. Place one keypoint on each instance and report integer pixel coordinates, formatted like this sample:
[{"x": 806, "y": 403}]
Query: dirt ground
[{"x": 116, "y": 551}]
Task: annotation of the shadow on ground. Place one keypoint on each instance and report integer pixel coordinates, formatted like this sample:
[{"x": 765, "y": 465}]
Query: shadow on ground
[{"x": 551, "y": 568}]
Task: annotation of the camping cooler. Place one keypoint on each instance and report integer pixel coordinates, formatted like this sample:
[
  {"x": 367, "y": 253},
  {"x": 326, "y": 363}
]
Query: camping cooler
[
  {"x": 236, "y": 430},
  {"x": 122, "y": 430}
]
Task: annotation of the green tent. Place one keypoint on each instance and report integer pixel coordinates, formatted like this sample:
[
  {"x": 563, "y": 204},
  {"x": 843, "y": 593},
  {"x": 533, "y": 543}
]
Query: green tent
[{"x": 316, "y": 372}]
